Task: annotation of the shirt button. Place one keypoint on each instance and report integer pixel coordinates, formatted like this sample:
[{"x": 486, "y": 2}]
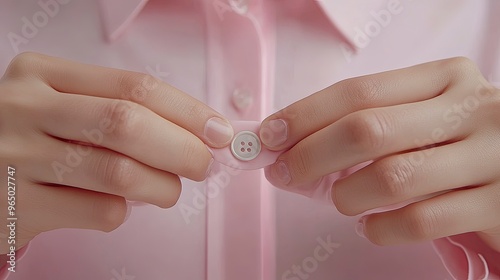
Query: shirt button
[
  {"x": 239, "y": 6},
  {"x": 245, "y": 145},
  {"x": 242, "y": 99}
]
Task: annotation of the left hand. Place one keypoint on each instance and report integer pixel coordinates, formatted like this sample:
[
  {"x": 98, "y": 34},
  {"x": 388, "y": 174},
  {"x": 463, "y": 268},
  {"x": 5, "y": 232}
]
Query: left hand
[{"x": 433, "y": 134}]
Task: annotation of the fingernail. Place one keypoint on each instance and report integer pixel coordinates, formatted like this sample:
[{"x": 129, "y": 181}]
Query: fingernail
[
  {"x": 129, "y": 211},
  {"x": 218, "y": 131},
  {"x": 274, "y": 133},
  {"x": 282, "y": 173},
  {"x": 360, "y": 227}
]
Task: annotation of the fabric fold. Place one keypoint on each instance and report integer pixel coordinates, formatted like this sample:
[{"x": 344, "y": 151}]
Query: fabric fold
[
  {"x": 116, "y": 15},
  {"x": 466, "y": 256}
]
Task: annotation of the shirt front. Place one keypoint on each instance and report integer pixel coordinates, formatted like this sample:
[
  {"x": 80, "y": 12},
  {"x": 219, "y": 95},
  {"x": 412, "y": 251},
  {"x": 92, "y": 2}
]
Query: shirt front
[{"x": 246, "y": 59}]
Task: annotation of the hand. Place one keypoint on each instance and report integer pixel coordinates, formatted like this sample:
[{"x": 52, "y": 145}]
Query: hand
[
  {"x": 83, "y": 138},
  {"x": 433, "y": 134}
]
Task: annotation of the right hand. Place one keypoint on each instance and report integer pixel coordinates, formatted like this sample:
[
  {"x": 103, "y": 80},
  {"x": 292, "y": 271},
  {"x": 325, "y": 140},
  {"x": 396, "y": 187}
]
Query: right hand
[{"x": 84, "y": 139}]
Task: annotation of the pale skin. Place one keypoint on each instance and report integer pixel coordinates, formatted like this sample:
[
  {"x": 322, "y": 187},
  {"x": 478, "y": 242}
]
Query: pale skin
[
  {"x": 432, "y": 132},
  {"x": 47, "y": 102},
  {"x": 48, "y": 106}
]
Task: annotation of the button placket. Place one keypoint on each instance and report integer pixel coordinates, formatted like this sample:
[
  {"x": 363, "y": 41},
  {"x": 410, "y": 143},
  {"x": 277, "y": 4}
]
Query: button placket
[
  {"x": 242, "y": 99},
  {"x": 237, "y": 86}
]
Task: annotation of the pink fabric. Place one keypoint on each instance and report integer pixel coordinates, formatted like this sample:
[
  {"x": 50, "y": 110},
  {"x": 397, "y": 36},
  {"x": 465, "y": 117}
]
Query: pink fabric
[
  {"x": 467, "y": 257},
  {"x": 235, "y": 225},
  {"x": 337, "y": 11},
  {"x": 116, "y": 20}
]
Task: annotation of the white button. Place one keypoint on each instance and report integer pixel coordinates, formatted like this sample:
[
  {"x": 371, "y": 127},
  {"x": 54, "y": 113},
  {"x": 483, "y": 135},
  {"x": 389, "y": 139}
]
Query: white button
[
  {"x": 245, "y": 145},
  {"x": 242, "y": 99},
  {"x": 239, "y": 6}
]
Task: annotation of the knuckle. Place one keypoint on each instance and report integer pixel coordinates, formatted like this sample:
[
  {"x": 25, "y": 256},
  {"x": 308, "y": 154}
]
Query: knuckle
[
  {"x": 461, "y": 68},
  {"x": 489, "y": 99},
  {"x": 23, "y": 63},
  {"x": 483, "y": 102},
  {"x": 118, "y": 174},
  {"x": 308, "y": 111},
  {"x": 421, "y": 222},
  {"x": 109, "y": 212},
  {"x": 361, "y": 92},
  {"x": 123, "y": 117},
  {"x": 300, "y": 161},
  {"x": 395, "y": 177},
  {"x": 367, "y": 131},
  {"x": 193, "y": 110},
  {"x": 135, "y": 86},
  {"x": 463, "y": 64}
]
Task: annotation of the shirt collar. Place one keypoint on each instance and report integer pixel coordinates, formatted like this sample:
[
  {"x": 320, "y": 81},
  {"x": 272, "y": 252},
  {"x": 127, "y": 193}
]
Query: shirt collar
[
  {"x": 353, "y": 17},
  {"x": 348, "y": 16}
]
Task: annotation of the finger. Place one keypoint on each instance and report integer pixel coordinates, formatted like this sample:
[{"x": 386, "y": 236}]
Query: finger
[
  {"x": 168, "y": 102},
  {"x": 367, "y": 135},
  {"x": 285, "y": 128},
  {"x": 46, "y": 208},
  {"x": 130, "y": 129},
  {"x": 401, "y": 177},
  {"x": 455, "y": 212},
  {"x": 104, "y": 171}
]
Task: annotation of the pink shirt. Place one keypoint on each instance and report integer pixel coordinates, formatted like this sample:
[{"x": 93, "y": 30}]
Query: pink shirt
[{"x": 246, "y": 59}]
